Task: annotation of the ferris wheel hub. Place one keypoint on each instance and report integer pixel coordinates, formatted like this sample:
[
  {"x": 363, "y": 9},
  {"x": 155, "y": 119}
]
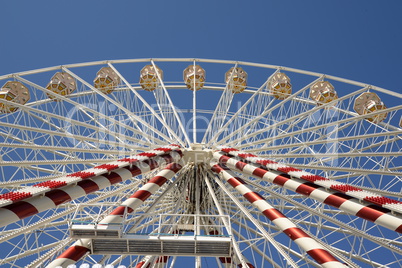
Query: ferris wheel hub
[
  {"x": 197, "y": 154},
  {"x": 117, "y": 158}
]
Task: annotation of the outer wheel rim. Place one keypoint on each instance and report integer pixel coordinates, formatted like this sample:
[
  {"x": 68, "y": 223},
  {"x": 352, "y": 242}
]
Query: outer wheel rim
[{"x": 388, "y": 129}]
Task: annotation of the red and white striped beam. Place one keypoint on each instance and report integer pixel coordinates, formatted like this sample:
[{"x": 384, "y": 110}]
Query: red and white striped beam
[
  {"x": 72, "y": 254},
  {"x": 160, "y": 262},
  {"x": 44, "y": 187},
  {"x": 302, "y": 239},
  {"x": 345, "y": 188},
  {"x": 139, "y": 197},
  {"x": 145, "y": 260},
  {"x": 350, "y": 205},
  {"x": 141, "y": 265},
  {"x": 227, "y": 262},
  {"x": 51, "y": 199},
  {"x": 82, "y": 246},
  {"x": 249, "y": 265}
]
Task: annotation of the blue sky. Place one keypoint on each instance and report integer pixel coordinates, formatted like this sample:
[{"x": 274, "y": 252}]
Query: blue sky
[{"x": 358, "y": 40}]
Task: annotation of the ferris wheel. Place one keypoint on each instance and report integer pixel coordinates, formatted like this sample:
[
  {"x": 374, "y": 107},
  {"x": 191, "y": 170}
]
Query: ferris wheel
[{"x": 198, "y": 163}]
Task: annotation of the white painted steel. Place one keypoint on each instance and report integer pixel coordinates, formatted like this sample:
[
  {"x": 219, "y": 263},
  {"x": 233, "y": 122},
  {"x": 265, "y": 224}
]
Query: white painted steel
[{"x": 46, "y": 139}]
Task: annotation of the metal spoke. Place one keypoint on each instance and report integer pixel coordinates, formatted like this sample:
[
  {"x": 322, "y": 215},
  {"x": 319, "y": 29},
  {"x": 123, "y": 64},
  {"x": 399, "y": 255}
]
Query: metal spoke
[{"x": 87, "y": 174}]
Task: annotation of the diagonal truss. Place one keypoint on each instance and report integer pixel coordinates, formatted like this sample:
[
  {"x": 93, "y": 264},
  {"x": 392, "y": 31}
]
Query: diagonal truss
[{"x": 322, "y": 169}]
